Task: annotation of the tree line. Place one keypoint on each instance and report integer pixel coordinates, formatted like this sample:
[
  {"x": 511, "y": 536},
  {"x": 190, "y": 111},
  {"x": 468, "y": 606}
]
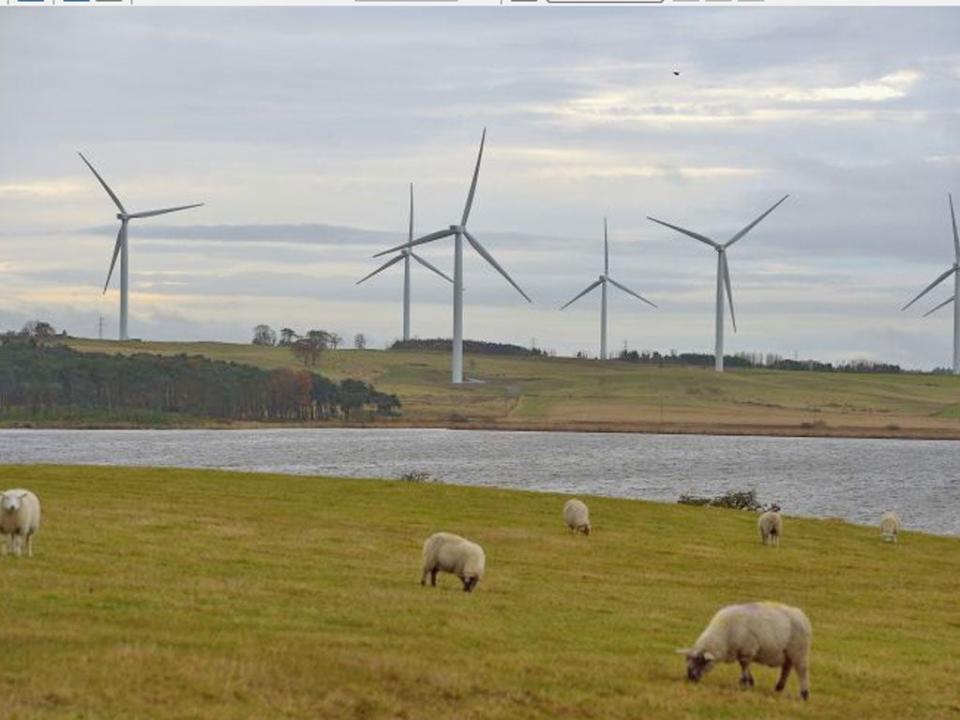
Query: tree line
[
  {"x": 46, "y": 378},
  {"x": 756, "y": 360}
]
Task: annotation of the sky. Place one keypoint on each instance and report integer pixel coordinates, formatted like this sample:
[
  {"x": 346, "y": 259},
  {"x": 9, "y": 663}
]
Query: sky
[{"x": 300, "y": 129}]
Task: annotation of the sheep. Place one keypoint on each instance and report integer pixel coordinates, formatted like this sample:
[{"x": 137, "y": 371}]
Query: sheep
[
  {"x": 452, "y": 554},
  {"x": 769, "y": 633},
  {"x": 576, "y": 516},
  {"x": 890, "y": 526},
  {"x": 20, "y": 519},
  {"x": 770, "y": 525}
]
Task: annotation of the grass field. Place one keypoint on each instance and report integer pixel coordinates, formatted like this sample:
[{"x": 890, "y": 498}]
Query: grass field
[
  {"x": 564, "y": 393},
  {"x": 200, "y": 594}
]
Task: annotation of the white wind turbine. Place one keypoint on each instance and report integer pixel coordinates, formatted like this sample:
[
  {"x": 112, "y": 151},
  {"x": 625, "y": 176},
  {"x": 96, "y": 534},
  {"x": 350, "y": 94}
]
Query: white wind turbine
[
  {"x": 459, "y": 232},
  {"x": 602, "y": 282},
  {"x": 121, "y": 245},
  {"x": 955, "y": 298},
  {"x": 723, "y": 274},
  {"x": 405, "y": 254}
]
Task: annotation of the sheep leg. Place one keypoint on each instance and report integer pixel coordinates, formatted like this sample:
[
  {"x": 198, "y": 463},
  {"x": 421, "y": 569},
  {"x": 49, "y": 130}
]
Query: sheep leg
[
  {"x": 433, "y": 577},
  {"x": 784, "y": 674},
  {"x": 746, "y": 679},
  {"x": 30, "y": 545},
  {"x": 804, "y": 674},
  {"x": 17, "y": 544}
]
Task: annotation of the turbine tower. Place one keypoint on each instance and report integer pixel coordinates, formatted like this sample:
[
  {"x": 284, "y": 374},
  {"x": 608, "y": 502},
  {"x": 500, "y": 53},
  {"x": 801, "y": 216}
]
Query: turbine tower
[
  {"x": 459, "y": 232},
  {"x": 955, "y": 298},
  {"x": 405, "y": 254},
  {"x": 602, "y": 282},
  {"x": 121, "y": 245},
  {"x": 723, "y": 274}
]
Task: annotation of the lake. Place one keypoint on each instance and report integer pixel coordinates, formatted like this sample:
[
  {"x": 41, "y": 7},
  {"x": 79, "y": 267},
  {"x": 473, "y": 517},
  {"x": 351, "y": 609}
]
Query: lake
[{"x": 821, "y": 477}]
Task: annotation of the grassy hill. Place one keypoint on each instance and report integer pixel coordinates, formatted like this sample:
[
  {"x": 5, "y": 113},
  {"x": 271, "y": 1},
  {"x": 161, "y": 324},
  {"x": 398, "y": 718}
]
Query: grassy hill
[
  {"x": 199, "y": 594},
  {"x": 565, "y": 393}
]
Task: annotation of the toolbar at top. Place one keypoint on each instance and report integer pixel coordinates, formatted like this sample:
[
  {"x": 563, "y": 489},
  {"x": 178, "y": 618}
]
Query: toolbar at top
[{"x": 320, "y": 3}]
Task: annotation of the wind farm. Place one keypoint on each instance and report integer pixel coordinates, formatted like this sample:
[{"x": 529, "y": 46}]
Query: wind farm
[{"x": 328, "y": 465}]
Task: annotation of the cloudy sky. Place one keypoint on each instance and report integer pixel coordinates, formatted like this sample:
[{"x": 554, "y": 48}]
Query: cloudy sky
[{"x": 300, "y": 129}]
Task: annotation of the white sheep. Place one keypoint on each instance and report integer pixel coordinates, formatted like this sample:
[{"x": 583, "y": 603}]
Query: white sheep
[
  {"x": 769, "y": 633},
  {"x": 576, "y": 516},
  {"x": 770, "y": 525},
  {"x": 446, "y": 552},
  {"x": 20, "y": 519},
  {"x": 890, "y": 526}
]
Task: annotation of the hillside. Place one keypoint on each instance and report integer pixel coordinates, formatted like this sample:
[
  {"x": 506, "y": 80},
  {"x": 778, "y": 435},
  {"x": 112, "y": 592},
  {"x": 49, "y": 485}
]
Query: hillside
[
  {"x": 185, "y": 593},
  {"x": 571, "y": 394}
]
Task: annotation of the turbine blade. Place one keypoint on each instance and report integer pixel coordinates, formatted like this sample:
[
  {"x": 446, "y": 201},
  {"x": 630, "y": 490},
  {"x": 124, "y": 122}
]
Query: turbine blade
[
  {"x": 690, "y": 233},
  {"x": 956, "y": 237},
  {"x": 943, "y": 304},
  {"x": 726, "y": 282},
  {"x": 589, "y": 287},
  {"x": 931, "y": 286},
  {"x": 489, "y": 258},
  {"x": 627, "y": 290},
  {"x": 116, "y": 200},
  {"x": 392, "y": 261},
  {"x": 151, "y": 213},
  {"x": 410, "y": 235},
  {"x": 756, "y": 222},
  {"x": 473, "y": 183},
  {"x": 606, "y": 249},
  {"x": 116, "y": 251},
  {"x": 438, "y": 235},
  {"x": 429, "y": 266}
]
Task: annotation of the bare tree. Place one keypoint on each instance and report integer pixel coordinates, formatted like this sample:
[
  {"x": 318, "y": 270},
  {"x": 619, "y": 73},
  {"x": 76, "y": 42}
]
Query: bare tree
[
  {"x": 334, "y": 340},
  {"x": 288, "y": 336},
  {"x": 264, "y": 335},
  {"x": 309, "y": 348},
  {"x": 360, "y": 341}
]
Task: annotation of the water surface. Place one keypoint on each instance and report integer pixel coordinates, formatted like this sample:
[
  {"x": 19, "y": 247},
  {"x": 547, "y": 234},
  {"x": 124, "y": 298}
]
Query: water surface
[{"x": 856, "y": 479}]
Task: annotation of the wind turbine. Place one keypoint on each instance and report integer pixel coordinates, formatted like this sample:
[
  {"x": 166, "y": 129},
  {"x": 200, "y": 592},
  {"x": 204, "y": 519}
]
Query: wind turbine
[
  {"x": 723, "y": 274},
  {"x": 121, "y": 245},
  {"x": 459, "y": 232},
  {"x": 955, "y": 298},
  {"x": 405, "y": 254},
  {"x": 602, "y": 282}
]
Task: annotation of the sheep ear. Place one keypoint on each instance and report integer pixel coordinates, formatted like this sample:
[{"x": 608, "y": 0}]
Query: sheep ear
[
  {"x": 684, "y": 651},
  {"x": 22, "y": 495},
  {"x": 709, "y": 656}
]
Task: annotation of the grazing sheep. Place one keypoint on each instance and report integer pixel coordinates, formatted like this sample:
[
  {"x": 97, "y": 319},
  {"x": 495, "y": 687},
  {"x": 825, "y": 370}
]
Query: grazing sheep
[
  {"x": 770, "y": 524},
  {"x": 451, "y": 553},
  {"x": 20, "y": 519},
  {"x": 769, "y": 633},
  {"x": 576, "y": 516},
  {"x": 890, "y": 526}
]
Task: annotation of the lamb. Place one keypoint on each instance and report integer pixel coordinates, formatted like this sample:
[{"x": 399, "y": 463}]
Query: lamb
[
  {"x": 770, "y": 524},
  {"x": 20, "y": 519},
  {"x": 576, "y": 516},
  {"x": 769, "y": 633},
  {"x": 890, "y": 526},
  {"x": 452, "y": 554}
]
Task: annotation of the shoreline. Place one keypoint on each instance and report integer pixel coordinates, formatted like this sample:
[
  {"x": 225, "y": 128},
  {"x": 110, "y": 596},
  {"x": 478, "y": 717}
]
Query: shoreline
[{"x": 811, "y": 430}]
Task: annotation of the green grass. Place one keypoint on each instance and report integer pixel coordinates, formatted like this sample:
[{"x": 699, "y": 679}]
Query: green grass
[
  {"x": 200, "y": 594},
  {"x": 565, "y": 393}
]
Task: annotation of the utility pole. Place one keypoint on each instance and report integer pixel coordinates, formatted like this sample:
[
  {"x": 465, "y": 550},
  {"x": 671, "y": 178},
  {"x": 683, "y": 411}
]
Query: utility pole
[{"x": 100, "y": 327}]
